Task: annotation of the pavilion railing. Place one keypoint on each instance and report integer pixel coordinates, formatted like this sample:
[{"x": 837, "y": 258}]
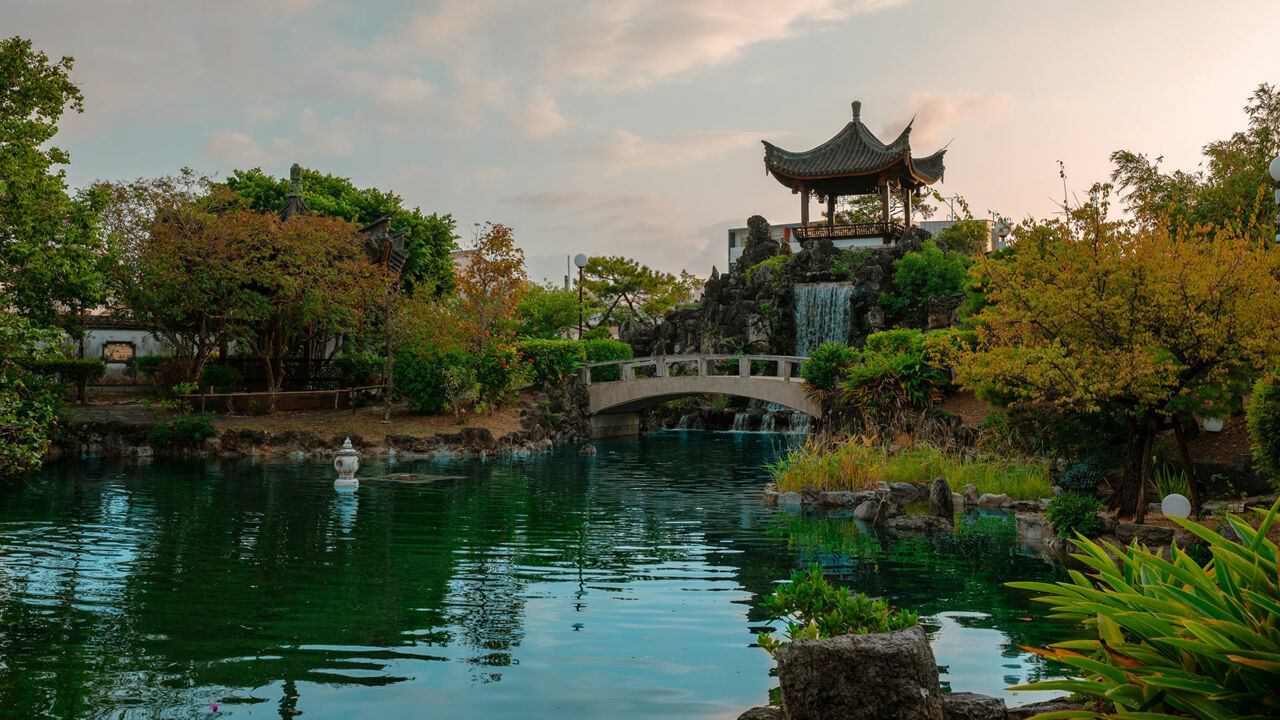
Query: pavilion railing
[{"x": 888, "y": 231}]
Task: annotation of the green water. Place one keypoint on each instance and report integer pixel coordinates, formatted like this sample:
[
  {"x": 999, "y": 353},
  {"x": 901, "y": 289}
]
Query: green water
[{"x": 619, "y": 585}]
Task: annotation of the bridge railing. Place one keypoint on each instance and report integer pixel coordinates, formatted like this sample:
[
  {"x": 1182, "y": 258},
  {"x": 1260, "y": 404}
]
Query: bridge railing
[{"x": 766, "y": 367}]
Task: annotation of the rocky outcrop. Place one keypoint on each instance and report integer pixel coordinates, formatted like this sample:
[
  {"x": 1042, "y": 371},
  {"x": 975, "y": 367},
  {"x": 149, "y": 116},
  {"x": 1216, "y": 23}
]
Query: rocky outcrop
[
  {"x": 941, "y": 503},
  {"x": 881, "y": 676},
  {"x": 972, "y": 706}
]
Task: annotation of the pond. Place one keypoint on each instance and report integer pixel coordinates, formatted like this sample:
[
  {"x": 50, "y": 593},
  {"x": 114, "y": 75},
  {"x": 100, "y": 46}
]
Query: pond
[{"x": 623, "y": 584}]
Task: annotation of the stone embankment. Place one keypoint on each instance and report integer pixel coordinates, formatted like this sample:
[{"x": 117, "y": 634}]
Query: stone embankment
[{"x": 553, "y": 417}]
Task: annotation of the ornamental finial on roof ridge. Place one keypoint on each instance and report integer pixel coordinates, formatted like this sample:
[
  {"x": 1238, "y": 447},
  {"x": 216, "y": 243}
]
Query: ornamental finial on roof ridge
[{"x": 857, "y": 109}]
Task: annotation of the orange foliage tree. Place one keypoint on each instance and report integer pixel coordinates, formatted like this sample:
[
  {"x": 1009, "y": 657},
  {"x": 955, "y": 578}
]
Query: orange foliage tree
[
  {"x": 1152, "y": 319},
  {"x": 490, "y": 286}
]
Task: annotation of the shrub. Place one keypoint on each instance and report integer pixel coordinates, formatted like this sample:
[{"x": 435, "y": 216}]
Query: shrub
[
  {"x": 903, "y": 340},
  {"x": 892, "y": 381},
  {"x": 1264, "y": 428},
  {"x": 185, "y": 430},
  {"x": 146, "y": 365},
  {"x": 1173, "y": 638},
  {"x": 553, "y": 360},
  {"x": 774, "y": 264},
  {"x": 827, "y": 365},
  {"x": 359, "y": 368},
  {"x": 73, "y": 371},
  {"x": 170, "y": 372},
  {"x": 221, "y": 378},
  {"x": 597, "y": 333},
  {"x": 1071, "y": 513},
  {"x": 420, "y": 379},
  {"x": 599, "y": 350},
  {"x": 812, "y": 608},
  {"x": 1083, "y": 475},
  {"x": 500, "y": 372}
]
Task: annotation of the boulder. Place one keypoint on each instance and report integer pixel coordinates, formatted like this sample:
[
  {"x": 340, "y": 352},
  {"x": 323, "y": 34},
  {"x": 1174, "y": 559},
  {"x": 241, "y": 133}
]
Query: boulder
[
  {"x": 1034, "y": 528},
  {"x": 972, "y": 706},
  {"x": 940, "y": 500},
  {"x": 1022, "y": 712},
  {"x": 1148, "y": 535},
  {"x": 970, "y": 494},
  {"x": 881, "y": 676},
  {"x": 810, "y": 494},
  {"x": 920, "y": 525},
  {"x": 866, "y": 510},
  {"x": 993, "y": 501},
  {"x": 1025, "y": 506},
  {"x": 790, "y": 499},
  {"x": 477, "y": 439},
  {"x": 904, "y": 492},
  {"x": 837, "y": 498},
  {"x": 587, "y": 449},
  {"x": 764, "y": 712}
]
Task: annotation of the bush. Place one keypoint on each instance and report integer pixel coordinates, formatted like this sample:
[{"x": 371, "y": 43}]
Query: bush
[
  {"x": 221, "y": 378},
  {"x": 1071, "y": 513},
  {"x": 421, "y": 379},
  {"x": 904, "y": 340},
  {"x": 597, "y": 333},
  {"x": 186, "y": 430},
  {"x": 146, "y": 365},
  {"x": 500, "y": 372},
  {"x": 599, "y": 350},
  {"x": 359, "y": 368},
  {"x": 1173, "y": 638},
  {"x": 774, "y": 264},
  {"x": 553, "y": 360},
  {"x": 71, "y": 370},
  {"x": 892, "y": 381},
  {"x": 1264, "y": 428},
  {"x": 827, "y": 365},
  {"x": 171, "y": 372},
  {"x": 812, "y": 608},
  {"x": 1083, "y": 475}
]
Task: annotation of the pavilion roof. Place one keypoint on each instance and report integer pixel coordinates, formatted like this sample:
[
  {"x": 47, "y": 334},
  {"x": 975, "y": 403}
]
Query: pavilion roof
[{"x": 854, "y": 161}]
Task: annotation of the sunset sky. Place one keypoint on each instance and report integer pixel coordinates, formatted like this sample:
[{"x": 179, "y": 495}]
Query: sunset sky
[{"x": 633, "y": 126}]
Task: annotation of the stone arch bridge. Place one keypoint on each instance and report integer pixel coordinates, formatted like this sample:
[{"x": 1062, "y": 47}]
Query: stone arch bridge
[{"x": 641, "y": 383}]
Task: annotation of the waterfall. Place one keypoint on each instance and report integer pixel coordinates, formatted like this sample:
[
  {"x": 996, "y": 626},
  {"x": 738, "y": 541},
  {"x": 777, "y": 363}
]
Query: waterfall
[
  {"x": 800, "y": 423},
  {"x": 823, "y": 314},
  {"x": 741, "y": 422}
]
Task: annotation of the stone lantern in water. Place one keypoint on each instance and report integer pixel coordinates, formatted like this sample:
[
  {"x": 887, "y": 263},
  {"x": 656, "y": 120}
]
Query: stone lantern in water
[{"x": 346, "y": 462}]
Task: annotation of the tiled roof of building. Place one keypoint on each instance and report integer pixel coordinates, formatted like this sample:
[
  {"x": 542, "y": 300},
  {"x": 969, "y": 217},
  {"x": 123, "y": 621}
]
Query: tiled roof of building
[{"x": 855, "y": 150}]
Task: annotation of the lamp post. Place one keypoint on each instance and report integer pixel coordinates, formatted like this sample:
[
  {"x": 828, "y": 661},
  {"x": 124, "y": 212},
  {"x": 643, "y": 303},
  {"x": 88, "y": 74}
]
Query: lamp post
[
  {"x": 581, "y": 261},
  {"x": 1275, "y": 175},
  {"x": 1003, "y": 231}
]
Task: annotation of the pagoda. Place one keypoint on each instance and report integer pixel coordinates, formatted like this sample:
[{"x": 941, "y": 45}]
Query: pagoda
[{"x": 854, "y": 162}]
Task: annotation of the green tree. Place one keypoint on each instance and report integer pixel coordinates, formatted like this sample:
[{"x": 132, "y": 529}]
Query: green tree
[
  {"x": 50, "y": 252},
  {"x": 429, "y": 239},
  {"x": 1092, "y": 313},
  {"x": 28, "y": 401},
  {"x": 1234, "y": 188},
  {"x": 967, "y": 237},
  {"x": 921, "y": 276},
  {"x": 546, "y": 311},
  {"x": 630, "y": 292}
]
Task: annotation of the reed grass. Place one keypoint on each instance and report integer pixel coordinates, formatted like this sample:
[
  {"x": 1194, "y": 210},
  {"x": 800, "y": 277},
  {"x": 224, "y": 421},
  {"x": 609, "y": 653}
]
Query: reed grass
[{"x": 857, "y": 465}]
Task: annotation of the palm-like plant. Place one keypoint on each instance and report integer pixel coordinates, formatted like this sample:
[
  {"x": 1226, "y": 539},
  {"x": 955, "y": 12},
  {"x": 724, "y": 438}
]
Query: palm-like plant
[{"x": 1174, "y": 639}]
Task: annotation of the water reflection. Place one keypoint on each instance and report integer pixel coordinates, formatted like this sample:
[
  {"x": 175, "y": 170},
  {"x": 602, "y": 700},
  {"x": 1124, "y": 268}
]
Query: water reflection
[{"x": 621, "y": 584}]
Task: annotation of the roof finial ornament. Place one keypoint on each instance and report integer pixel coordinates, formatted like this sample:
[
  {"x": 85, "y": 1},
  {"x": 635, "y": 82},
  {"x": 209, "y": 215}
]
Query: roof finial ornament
[
  {"x": 857, "y": 109},
  {"x": 295, "y": 180}
]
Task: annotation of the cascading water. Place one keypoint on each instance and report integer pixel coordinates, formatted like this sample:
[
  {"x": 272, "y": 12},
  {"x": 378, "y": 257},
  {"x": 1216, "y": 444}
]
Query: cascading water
[
  {"x": 742, "y": 422},
  {"x": 800, "y": 423},
  {"x": 823, "y": 313}
]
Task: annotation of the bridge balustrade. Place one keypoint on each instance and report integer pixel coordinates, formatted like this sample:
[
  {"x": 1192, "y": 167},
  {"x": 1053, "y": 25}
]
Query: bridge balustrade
[{"x": 776, "y": 367}]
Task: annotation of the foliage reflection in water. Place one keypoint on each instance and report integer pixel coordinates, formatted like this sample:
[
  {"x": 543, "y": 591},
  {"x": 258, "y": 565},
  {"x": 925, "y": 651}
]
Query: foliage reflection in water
[{"x": 624, "y": 583}]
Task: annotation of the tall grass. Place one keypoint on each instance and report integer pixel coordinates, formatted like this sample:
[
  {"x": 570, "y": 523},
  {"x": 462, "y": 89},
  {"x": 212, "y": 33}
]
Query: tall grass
[
  {"x": 1169, "y": 481},
  {"x": 843, "y": 465},
  {"x": 856, "y": 465}
]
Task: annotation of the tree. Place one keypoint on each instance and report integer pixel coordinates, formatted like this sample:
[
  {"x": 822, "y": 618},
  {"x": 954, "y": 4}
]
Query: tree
[
  {"x": 546, "y": 311},
  {"x": 50, "y": 252},
  {"x": 490, "y": 286},
  {"x": 429, "y": 239},
  {"x": 1234, "y": 189},
  {"x": 1150, "y": 319},
  {"x": 967, "y": 237},
  {"x": 28, "y": 400},
  {"x": 857, "y": 209},
  {"x": 921, "y": 276},
  {"x": 630, "y": 292}
]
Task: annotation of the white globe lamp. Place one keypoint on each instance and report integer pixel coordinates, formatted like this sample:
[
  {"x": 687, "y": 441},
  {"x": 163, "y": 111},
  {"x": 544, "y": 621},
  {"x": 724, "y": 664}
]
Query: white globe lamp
[{"x": 1175, "y": 505}]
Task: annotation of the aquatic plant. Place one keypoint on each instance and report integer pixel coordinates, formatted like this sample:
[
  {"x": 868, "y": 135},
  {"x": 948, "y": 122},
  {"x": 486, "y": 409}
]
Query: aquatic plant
[
  {"x": 853, "y": 465},
  {"x": 1019, "y": 479}
]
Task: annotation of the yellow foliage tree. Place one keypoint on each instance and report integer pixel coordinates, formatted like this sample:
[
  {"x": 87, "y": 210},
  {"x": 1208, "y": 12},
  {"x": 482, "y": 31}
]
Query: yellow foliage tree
[{"x": 1155, "y": 320}]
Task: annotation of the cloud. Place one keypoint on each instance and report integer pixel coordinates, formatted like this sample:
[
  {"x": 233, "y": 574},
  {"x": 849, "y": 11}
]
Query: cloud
[
  {"x": 541, "y": 117},
  {"x": 233, "y": 148},
  {"x": 625, "y": 149},
  {"x": 547, "y": 199},
  {"x": 936, "y": 113}
]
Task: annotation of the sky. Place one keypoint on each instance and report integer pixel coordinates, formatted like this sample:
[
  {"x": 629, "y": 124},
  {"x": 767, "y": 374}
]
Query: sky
[{"x": 633, "y": 127}]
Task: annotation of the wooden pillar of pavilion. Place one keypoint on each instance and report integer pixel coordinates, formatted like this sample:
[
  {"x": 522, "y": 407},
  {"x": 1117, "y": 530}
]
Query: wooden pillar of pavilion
[
  {"x": 884, "y": 202},
  {"x": 804, "y": 207},
  {"x": 831, "y": 210},
  {"x": 906, "y": 208}
]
